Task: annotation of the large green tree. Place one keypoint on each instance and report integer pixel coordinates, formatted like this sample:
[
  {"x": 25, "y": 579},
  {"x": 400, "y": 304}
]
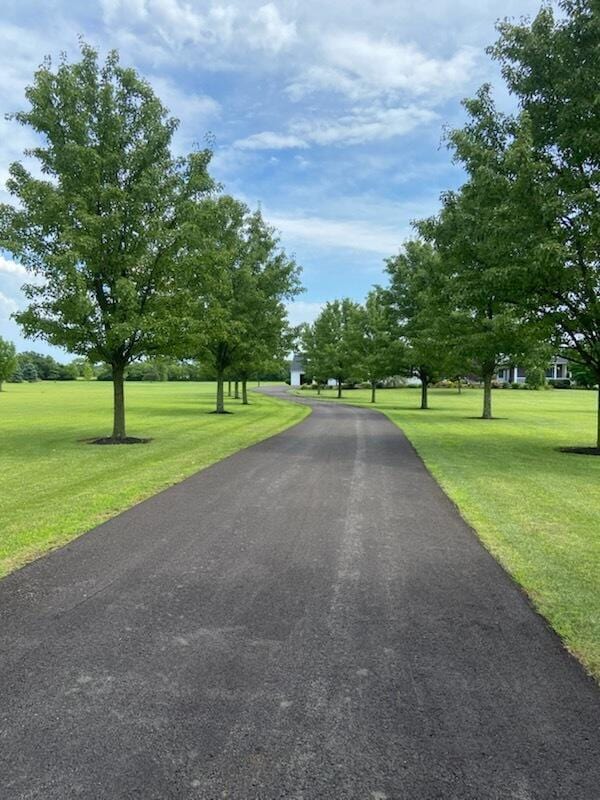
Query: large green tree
[
  {"x": 238, "y": 278},
  {"x": 8, "y": 360},
  {"x": 420, "y": 310},
  {"x": 102, "y": 228},
  {"x": 330, "y": 343},
  {"x": 276, "y": 278},
  {"x": 485, "y": 249},
  {"x": 380, "y": 351},
  {"x": 552, "y": 66}
]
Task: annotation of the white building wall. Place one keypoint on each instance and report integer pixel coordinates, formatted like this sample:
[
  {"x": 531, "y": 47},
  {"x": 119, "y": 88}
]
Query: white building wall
[{"x": 295, "y": 377}]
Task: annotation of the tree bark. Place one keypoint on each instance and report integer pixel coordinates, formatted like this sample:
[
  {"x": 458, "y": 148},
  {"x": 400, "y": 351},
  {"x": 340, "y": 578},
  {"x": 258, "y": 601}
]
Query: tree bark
[
  {"x": 459, "y": 385},
  {"x": 229, "y": 389},
  {"x": 118, "y": 372},
  {"x": 318, "y": 387},
  {"x": 487, "y": 396},
  {"x": 339, "y": 393},
  {"x": 220, "y": 409},
  {"x": 236, "y": 391},
  {"x": 373, "y": 391},
  {"x": 1, "y": 384},
  {"x": 424, "y": 394},
  {"x": 245, "y": 392}
]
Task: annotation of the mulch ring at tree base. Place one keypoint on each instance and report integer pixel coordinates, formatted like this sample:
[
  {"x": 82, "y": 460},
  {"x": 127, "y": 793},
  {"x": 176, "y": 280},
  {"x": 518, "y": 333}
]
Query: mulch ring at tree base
[
  {"x": 582, "y": 451},
  {"x": 110, "y": 440}
]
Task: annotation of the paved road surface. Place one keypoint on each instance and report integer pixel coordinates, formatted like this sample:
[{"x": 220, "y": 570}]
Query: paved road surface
[{"x": 308, "y": 619}]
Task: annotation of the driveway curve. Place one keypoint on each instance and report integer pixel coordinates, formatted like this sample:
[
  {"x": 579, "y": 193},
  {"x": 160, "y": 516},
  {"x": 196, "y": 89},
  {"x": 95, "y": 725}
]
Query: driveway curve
[{"x": 309, "y": 618}]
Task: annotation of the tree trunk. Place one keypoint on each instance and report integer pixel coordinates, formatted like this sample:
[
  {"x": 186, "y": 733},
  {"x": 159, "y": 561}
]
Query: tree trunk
[
  {"x": 339, "y": 394},
  {"x": 318, "y": 388},
  {"x": 220, "y": 409},
  {"x": 1, "y": 384},
  {"x": 236, "y": 391},
  {"x": 487, "y": 396},
  {"x": 244, "y": 392},
  {"x": 229, "y": 389},
  {"x": 424, "y": 395},
  {"x": 459, "y": 385},
  {"x": 118, "y": 372},
  {"x": 372, "y": 391}
]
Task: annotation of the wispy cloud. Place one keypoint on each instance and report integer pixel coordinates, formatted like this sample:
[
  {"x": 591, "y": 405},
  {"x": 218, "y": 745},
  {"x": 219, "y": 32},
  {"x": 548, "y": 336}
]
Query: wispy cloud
[
  {"x": 360, "y": 66},
  {"x": 269, "y": 140},
  {"x": 8, "y": 305},
  {"x": 350, "y": 234},
  {"x": 300, "y": 311},
  {"x": 9, "y": 267},
  {"x": 359, "y": 126}
]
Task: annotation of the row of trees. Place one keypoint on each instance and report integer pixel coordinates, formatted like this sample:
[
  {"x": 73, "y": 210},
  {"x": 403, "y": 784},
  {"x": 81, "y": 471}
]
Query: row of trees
[
  {"x": 509, "y": 269},
  {"x": 134, "y": 252}
]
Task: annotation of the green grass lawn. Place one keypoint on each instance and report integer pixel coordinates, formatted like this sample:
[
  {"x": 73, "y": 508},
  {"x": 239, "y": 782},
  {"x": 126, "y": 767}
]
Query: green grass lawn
[
  {"x": 54, "y": 487},
  {"x": 537, "y": 510}
]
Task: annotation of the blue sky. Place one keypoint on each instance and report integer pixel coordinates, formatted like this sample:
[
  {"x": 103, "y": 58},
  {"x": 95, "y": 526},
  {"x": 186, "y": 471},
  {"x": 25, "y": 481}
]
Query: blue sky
[{"x": 328, "y": 114}]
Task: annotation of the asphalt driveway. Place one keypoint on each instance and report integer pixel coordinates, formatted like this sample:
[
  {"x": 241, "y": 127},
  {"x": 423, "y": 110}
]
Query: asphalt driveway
[{"x": 310, "y": 618}]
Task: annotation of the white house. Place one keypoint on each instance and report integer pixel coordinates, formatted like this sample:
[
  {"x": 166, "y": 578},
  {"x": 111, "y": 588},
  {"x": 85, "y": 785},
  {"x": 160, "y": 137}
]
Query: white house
[
  {"x": 296, "y": 371},
  {"x": 558, "y": 369},
  {"x": 297, "y": 376}
]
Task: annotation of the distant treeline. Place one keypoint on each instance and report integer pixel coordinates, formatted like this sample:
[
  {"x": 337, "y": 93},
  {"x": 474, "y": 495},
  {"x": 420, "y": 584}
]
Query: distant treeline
[{"x": 31, "y": 367}]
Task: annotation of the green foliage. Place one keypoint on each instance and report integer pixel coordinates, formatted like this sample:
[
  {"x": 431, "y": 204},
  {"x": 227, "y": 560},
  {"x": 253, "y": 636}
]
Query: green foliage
[
  {"x": 552, "y": 67},
  {"x": 379, "y": 352},
  {"x": 421, "y": 313},
  {"x": 29, "y": 372},
  {"x": 8, "y": 360},
  {"x": 330, "y": 343},
  {"x": 582, "y": 375},
  {"x": 47, "y": 368},
  {"x": 535, "y": 378},
  {"x": 484, "y": 254},
  {"x": 101, "y": 230},
  {"x": 237, "y": 278}
]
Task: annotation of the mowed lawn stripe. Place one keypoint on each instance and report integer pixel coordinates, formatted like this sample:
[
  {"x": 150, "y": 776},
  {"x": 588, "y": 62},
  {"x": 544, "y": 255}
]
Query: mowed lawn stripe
[{"x": 54, "y": 486}]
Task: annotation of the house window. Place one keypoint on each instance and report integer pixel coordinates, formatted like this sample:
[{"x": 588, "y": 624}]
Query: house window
[
  {"x": 550, "y": 372},
  {"x": 560, "y": 370}
]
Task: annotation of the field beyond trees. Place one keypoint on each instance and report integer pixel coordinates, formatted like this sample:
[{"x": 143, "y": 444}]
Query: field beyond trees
[
  {"x": 54, "y": 486},
  {"x": 536, "y": 509}
]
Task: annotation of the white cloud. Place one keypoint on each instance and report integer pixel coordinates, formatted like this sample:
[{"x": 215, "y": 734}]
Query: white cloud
[
  {"x": 182, "y": 104},
  {"x": 8, "y": 306},
  {"x": 348, "y": 233},
  {"x": 269, "y": 31},
  {"x": 364, "y": 125},
  {"x": 269, "y": 140},
  {"x": 360, "y": 125},
  {"x": 360, "y": 66},
  {"x": 300, "y": 311},
  {"x": 9, "y": 267},
  {"x": 178, "y": 23}
]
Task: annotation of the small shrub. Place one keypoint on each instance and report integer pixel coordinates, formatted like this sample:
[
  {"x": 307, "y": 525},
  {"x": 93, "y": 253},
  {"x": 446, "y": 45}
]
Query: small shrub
[{"x": 560, "y": 383}]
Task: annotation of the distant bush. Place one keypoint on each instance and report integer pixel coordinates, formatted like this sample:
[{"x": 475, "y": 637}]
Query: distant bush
[
  {"x": 29, "y": 372},
  {"x": 535, "y": 378},
  {"x": 560, "y": 383}
]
